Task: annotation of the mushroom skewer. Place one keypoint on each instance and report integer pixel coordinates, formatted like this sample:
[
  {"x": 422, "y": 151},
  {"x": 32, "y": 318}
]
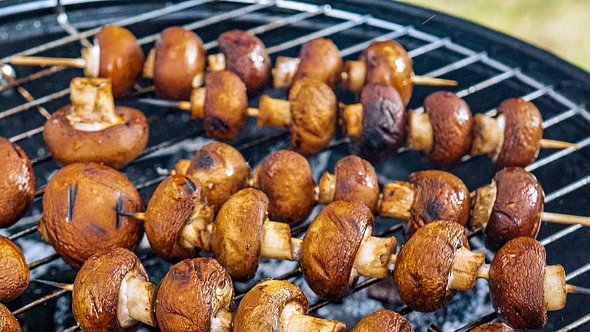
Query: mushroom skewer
[{"x": 116, "y": 54}]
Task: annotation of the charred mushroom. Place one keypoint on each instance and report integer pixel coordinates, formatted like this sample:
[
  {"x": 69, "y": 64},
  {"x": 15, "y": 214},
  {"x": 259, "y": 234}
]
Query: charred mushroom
[
  {"x": 492, "y": 327},
  {"x": 383, "y": 321},
  {"x": 278, "y": 305},
  {"x": 93, "y": 129},
  {"x": 510, "y": 207},
  {"x": 14, "y": 271},
  {"x": 8, "y": 322},
  {"x": 17, "y": 187},
  {"x": 112, "y": 292},
  {"x": 81, "y": 216},
  {"x": 195, "y": 295}
]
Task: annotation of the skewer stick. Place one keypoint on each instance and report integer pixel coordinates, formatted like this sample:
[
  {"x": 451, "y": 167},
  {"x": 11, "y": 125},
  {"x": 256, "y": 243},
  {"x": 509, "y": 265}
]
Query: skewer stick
[
  {"x": 571, "y": 289},
  {"x": 565, "y": 219},
  {"x": 60, "y": 285},
  {"x": 48, "y": 61},
  {"x": 433, "y": 81},
  {"x": 554, "y": 144},
  {"x": 136, "y": 215}
]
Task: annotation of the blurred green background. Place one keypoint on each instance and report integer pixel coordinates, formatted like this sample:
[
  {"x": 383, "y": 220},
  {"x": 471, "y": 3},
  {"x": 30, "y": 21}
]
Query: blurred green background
[{"x": 559, "y": 26}]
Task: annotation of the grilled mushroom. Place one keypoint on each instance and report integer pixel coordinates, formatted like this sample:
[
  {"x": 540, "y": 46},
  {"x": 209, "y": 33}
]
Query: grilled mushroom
[
  {"x": 383, "y": 321},
  {"x": 93, "y": 129},
  {"x": 492, "y": 327},
  {"x": 278, "y": 305},
  {"x": 14, "y": 271},
  {"x": 8, "y": 322},
  {"x": 112, "y": 293},
  {"x": 17, "y": 187},
  {"x": 195, "y": 295},
  {"x": 285, "y": 177},
  {"x": 80, "y": 212}
]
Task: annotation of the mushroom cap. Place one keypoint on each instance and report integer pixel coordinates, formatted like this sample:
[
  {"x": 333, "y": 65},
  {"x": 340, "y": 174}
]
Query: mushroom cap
[
  {"x": 121, "y": 57},
  {"x": 424, "y": 264},
  {"x": 246, "y": 56},
  {"x": 168, "y": 211},
  {"x": 522, "y": 133},
  {"x": 387, "y": 62},
  {"x": 95, "y": 297},
  {"x": 492, "y": 327},
  {"x": 313, "y": 111},
  {"x": 180, "y": 56},
  {"x": 384, "y": 123},
  {"x": 188, "y": 296},
  {"x": 356, "y": 180},
  {"x": 330, "y": 246},
  {"x": 17, "y": 184},
  {"x": 221, "y": 171},
  {"x": 285, "y": 177},
  {"x": 383, "y": 321},
  {"x": 261, "y": 307},
  {"x": 8, "y": 322},
  {"x": 226, "y": 104},
  {"x": 237, "y": 233},
  {"x": 95, "y": 225},
  {"x": 14, "y": 271},
  {"x": 518, "y": 207},
  {"x": 319, "y": 59},
  {"x": 115, "y": 146},
  {"x": 438, "y": 195},
  {"x": 517, "y": 276},
  {"x": 451, "y": 120}
]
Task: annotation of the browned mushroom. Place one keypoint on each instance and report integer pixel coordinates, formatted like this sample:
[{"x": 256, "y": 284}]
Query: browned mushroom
[
  {"x": 116, "y": 55},
  {"x": 318, "y": 59},
  {"x": 278, "y": 305},
  {"x": 112, "y": 292},
  {"x": 285, "y": 177},
  {"x": 443, "y": 130},
  {"x": 383, "y": 321},
  {"x": 80, "y": 212},
  {"x": 434, "y": 263},
  {"x": 14, "y": 271},
  {"x": 428, "y": 196},
  {"x": 17, "y": 186},
  {"x": 492, "y": 327},
  {"x": 93, "y": 129},
  {"x": 195, "y": 295},
  {"x": 8, "y": 322},
  {"x": 339, "y": 246}
]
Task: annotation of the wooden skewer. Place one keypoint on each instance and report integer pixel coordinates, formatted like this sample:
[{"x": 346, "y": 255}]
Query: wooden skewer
[
  {"x": 565, "y": 219},
  {"x": 68, "y": 287},
  {"x": 48, "y": 61},
  {"x": 571, "y": 289},
  {"x": 554, "y": 144},
  {"x": 136, "y": 215},
  {"x": 433, "y": 81}
]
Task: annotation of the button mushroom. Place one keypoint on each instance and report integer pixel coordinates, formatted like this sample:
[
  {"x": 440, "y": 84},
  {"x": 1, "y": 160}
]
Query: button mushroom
[
  {"x": 278, "y": 305},
  {"x": 14, "y": 271},
  {"x": 17, "y": 185},
  {"x": 195, "y": 295},
  {"x": 383, "y": 321},
  {"x": 492, "y": 327},
  {"x": 80, "y": 212},
  {"x": 112, "y": 292},
  {"x": 93, "y": 129},
  {"x": 8, "y": 322}
]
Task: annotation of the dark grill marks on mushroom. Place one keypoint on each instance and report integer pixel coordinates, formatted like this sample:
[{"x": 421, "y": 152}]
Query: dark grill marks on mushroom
[{"x": 17, "y": 184}]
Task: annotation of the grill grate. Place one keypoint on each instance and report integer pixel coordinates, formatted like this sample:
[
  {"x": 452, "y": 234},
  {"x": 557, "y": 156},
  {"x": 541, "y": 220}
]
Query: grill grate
[{"x": 284, "y": 26}]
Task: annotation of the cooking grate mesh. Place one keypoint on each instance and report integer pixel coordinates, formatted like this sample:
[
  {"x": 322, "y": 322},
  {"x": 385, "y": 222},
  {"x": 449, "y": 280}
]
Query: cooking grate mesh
[{"x": 486, "y": 77}]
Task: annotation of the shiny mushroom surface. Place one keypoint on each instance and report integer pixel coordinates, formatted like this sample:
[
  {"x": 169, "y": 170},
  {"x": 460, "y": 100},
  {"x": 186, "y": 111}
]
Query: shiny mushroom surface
[
  {"x": 14, "y": 271},
  {"x": 383, "y": 321},
  {"x": 17, "y": 184}
]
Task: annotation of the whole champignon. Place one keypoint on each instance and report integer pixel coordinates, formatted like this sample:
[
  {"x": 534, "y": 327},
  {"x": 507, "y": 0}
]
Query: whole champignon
[
  {"x": 278, "y": 305},
  {"x": 492, "y": 327},
  {"x": 221, "y": 171},
  {"x": 319, "y": 59},
  {"x": 313, "y": 116},
  {"x": 80, "y": 212},
  {"x": 384, "y": 122},
  {"x": 17, "y": 184},
  {"x": 285, "y": 177},
  {"x": 383, "y": 321},
  {"x": 8, "y": 322},
  {"x": 517, "y": 276},
  {"x": 195, "y": 295},
  {"x": 246, "y": 56},
  {"x": 175, "y": 214},
  {"x": 508, "y": 208},
  {"x": 93, "y": 129},
  {"x": 14, "y": 271},
  {"x": 179, "y": 62},
  {"x": 112, "y": 293}
]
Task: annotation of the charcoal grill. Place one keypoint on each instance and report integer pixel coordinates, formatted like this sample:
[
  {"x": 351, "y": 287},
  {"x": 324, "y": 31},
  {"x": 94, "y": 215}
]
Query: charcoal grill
[{"x": 489, "y": 66}]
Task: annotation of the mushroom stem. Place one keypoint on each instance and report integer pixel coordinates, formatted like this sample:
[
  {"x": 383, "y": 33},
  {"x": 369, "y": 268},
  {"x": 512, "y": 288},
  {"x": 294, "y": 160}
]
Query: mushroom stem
[
  {"x": 149, "y": 64},
  {"x": 325, "y": 190},
  {"x": 554, "y": 144},
  {"x": 420, "y": 133},
  {"x": 565, "y": 219},
  {"x": 354, "y": 75},
  {"x": 222, "y": 321},
  {"x": 274, "y": 112},
  {"x": 374, "y": 256},
  {"x": 488, "y": 135},
  {"x": 352, "y": 119},
  {"x": 48, "y": 61},
  {"x": 284, "y": 70},
  {"x": 397, "y": 200},
  {"x": 433, "y": 81},
  {"x": 554, "y": 287},
  {"x": 181, "y": 167},
  {"x": 277, "y": 242},
  {"x": 93, "y": 105},
  {"x": 197, "y": 103},
  {"x": 216, "y": 62},
  {"x": 198, "y": 229},
  {"x": 465, "y": 269},
  {"x": 484, "y": 199},
  {"x": 136, "y": 301},
  {"x": 293, "y": 319},
  {"x": 68, "y": 287}
]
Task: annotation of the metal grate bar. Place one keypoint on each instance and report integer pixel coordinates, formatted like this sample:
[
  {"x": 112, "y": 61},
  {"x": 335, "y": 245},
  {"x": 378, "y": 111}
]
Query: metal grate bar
[
  {"x": 557, "y": 155},
  {"x": 488, "y": 83},
  {"x": 39, "y": 301},
  {"x": 583, "y": 320},
  {"x": 457, "y": 65},
  {"x": 361, "y": 46}
]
